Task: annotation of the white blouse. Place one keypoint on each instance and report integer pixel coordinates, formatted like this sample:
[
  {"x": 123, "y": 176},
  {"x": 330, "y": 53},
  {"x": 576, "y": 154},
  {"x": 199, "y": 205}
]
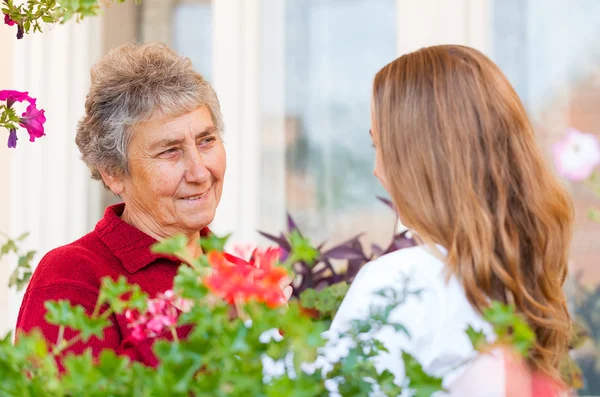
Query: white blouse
[{"x": 436, "y": 321}]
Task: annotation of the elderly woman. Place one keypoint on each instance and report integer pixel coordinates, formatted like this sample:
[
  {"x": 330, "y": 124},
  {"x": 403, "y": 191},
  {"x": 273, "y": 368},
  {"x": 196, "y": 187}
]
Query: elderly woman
[{"x": 151, "y": 134}]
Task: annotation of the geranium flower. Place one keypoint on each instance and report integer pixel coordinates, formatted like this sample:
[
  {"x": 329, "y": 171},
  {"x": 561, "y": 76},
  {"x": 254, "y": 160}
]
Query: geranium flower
[
  {"x": 259, "y": 279},
  {"x": 161, "y": 314},
  {"x": 577, "y": 156},
  {"x": 33, "y": 120}
]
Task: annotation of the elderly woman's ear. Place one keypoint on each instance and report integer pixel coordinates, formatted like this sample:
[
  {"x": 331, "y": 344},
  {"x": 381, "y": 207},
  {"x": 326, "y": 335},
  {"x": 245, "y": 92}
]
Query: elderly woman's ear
[{"x": 114, "y": 183}]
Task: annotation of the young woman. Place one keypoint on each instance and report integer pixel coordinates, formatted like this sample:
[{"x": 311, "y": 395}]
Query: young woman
[{"x": 458, "y": 156}]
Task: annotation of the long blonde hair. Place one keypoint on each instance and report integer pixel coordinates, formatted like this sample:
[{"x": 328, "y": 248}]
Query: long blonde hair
[{"x": 463, "y": 168}]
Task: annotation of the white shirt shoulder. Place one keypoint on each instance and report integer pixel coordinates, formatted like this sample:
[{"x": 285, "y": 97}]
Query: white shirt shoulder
[{"x": 436, "y": 318}]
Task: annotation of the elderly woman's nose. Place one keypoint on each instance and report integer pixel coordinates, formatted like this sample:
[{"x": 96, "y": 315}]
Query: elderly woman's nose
[{"x": 196, "y": 170}]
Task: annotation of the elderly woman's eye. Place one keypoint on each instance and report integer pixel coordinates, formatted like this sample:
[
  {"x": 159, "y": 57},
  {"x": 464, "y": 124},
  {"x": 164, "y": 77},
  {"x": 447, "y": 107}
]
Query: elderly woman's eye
[
  {"x": 168, "y": 152},
  {"x": 207, "y": 141}
]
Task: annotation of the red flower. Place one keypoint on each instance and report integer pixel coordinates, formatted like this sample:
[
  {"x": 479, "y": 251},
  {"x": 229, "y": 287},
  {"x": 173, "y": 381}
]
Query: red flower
[{"x": 257, "y": 280}]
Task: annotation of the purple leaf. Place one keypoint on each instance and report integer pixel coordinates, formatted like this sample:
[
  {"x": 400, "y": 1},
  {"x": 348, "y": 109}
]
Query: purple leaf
[
  {"x": 281, "y": 241},
  {"x": 353, "y": 269},
  {"x": 350, "y": 249},
  {"x": 400, "y": 241},
  {"x": 292, "y": 224},
  {"x": 344, "y": 252},
  {"x": 376, "y": 250},
  {"x": 387, "y": 202}
]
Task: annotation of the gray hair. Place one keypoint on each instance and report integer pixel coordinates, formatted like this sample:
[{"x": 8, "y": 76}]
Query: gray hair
[{"x": 132, "y": 84}]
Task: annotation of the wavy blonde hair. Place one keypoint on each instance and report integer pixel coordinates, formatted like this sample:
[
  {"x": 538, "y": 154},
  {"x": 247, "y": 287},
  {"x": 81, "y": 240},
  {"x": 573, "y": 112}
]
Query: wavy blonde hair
[{"x": 463, "y": 168}]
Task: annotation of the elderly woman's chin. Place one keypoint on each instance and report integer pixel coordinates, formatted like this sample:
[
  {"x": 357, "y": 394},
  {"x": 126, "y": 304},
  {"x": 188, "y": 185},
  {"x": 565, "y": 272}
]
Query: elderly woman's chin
[{"x": 197, "y": 212}]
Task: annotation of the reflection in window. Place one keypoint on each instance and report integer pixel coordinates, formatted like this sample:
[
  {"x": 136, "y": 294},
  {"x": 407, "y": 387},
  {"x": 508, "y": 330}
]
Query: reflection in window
[
  {"x": 317, "y": 67},
  {"x": 192, "y": 34},
  {"x": 550, "y": 50}
]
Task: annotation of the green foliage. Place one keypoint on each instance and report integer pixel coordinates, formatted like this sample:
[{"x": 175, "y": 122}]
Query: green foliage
[
  {"x": 302, "y": 250},
  {"x": 22, "y": 273},
  {"x": 31, "y": 14},
  {"x": 212, "y": 242},
  {"x": 8, "y": 118},
  {"x": 246, "y": 350},
  {"x": 64, "y": 314},
  {"x": 509, "y": 327},
  {"x": 175, "y": 246},
  {"x": 477, "y": 338},
  {"x": 119, "y": 295},
  {"x": 325, "y": 301},
  {"x": 423, "y": 384}
]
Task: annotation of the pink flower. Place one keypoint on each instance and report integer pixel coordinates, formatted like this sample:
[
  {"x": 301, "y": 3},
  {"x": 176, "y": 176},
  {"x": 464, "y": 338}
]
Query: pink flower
[
  {"x": 8, "y": 21},
  {"x": 161, "y": 314},
  {"x": 577, "y": 156},
  {"x": 11, "y": 97},
  {"x": 33, "y": 120}
]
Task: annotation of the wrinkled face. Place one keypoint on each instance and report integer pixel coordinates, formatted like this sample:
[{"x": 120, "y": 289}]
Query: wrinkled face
[
  {"x": 176, "y": 170},
  {"x": 378, "y": 171}
]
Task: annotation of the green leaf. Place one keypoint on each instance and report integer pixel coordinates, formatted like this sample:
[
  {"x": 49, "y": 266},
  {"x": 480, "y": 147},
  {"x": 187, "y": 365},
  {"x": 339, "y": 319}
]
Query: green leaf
[
  {"x": 23, "y": 236},
  {"x": 213, "y": 243},
  {"x": 175, "y": 245},
  {"x": 14, "y": 278},
  {"x": 23, "y": 280},
  {"x": 187, "y": 284},
  {"x": 423, "y": 384},
  {"x": 59, "y": 313},
  {"x": 325, "y": 301},
  {"x": 302, "y": 250},
  {"x": 120, "y": 295},
  {"x": 74, "y": 317},
  {"x": 509, "y": 327},
  {"x": 8, "y": 247},
  {"x": 477, "y": 338},
  {"x": 48, "y": 19},
  {"x": 25, "y": 260}
]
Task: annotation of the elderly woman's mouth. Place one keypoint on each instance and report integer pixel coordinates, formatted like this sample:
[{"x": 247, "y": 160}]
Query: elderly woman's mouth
[{"x": 196, "y": 197}]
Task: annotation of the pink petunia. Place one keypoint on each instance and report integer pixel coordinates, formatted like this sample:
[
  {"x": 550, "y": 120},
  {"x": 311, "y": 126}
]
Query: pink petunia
[
  {"x": 8, "y": 21},
  {"x": 33, "y": 120},
  {"x": 577, "y": 156},
  {"x": 11, "y": 96}
]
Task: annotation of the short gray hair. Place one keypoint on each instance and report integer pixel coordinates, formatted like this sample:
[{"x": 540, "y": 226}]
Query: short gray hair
[{"x": 132, "y": 84}]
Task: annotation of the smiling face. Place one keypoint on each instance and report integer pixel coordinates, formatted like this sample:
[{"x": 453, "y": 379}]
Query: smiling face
[{"x": 176, "y": 170}]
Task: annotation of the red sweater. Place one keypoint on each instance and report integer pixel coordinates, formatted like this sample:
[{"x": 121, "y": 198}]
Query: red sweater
[{"x": 74, "y": 271}]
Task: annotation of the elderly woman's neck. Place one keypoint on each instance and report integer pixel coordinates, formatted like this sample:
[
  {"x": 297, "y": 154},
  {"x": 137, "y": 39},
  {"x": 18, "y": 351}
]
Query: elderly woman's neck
[{"x": 149, "y": 226}]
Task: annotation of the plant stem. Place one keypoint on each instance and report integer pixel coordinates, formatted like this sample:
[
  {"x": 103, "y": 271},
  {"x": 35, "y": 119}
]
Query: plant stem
[
  {"x": 240, "y": 310},
  {"x": 57, "y": 350},
  {"x": 174, "y": 334},
  {"x": 61, "y": 336}
]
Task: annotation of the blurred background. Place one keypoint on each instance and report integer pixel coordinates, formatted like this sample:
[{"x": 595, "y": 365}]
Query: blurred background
[{"x": 294, "y": 80}]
